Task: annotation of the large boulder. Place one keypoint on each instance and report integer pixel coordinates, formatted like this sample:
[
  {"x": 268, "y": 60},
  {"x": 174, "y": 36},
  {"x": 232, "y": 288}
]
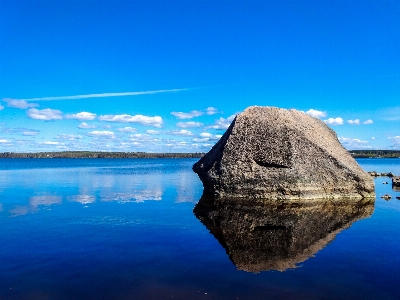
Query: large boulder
[{"x": 275, "y": 153}]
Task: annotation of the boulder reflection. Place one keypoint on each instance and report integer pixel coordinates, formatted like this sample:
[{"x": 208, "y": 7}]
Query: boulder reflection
[{"x": 277, "y": 235}]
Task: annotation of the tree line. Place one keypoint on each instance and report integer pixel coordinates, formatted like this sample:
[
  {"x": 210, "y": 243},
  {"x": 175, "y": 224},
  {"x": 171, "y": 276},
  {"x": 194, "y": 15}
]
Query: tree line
[
  {"x": 99, "y": 154},
  {"x": 375, "y": 153}
]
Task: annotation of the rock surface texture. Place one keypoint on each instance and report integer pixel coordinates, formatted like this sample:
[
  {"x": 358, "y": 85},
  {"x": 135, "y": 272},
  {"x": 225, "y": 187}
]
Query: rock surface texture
[
  {"x": 275, "y": 153},
  {"x": 396, "y": 183}
]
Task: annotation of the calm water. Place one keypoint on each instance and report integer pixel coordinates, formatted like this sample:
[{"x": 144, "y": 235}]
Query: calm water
[{"x": 125, "y": 229}]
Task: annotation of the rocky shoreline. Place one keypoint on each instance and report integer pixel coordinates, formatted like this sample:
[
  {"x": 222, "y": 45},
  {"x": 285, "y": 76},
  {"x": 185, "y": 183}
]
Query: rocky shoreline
[
  {"x": 395, "y": 179},
  {"x": 395, "y": 182}
]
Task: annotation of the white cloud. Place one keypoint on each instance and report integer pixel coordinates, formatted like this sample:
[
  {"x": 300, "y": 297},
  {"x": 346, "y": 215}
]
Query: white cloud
[
  {"x": 4, "y": 141},
  {"x": 223, "y": 123},
  {"x": 202, "y": 140},
  {"x": 354, "y": 122},
  {"x": 334, "y": 121},
  {"x": 353, "y": 144},
  {"x": 395, "y": 140},
  {"x": 156, "y": 121},
  {"x": 85, "y": 125},
  {"x": 206, "y": 135},
  {"x": 107, "y": 134},
  {"x": 211, "y": 111},
  {"x": 390, "y": 113},
  {"x": 139, "y": 135},
  {"x": 316, "y": 113},
  {"x": 49, "y": 143},
  {"x": 69, "y": 137},
  {"x": 127, "y": 129},
  {"x": 189, "y": 115},
  {"x": 21, "y": 130},
  {"x": 152, "y": 132},
  {"x": 1, "y": 107},
  {"x": 189, "y": 124},
  {"x": 182, "y": 132},
  {"x": 373, "y": 138},
  {"x": 30, "y": 132},
  {"x": 44, "y": 114},
  {"x": 103, "y": 95},
  {"x": 368, "y": 122},
  {"x": 82, "y": 116},
  {"x": 143, "y": 138},
  {"x": 21, "y": 104}
]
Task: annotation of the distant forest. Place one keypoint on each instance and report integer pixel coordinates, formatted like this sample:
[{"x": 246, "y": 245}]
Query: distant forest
[
  {"x": 375, "y": 153},
  {"x": 99, "y": 154}
]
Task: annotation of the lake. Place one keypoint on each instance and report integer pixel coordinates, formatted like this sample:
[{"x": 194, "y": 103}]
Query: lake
[{"x": 125, "y": 229}]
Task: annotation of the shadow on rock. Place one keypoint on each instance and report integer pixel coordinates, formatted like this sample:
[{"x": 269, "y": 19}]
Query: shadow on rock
[{"x": 277, "y": 234}]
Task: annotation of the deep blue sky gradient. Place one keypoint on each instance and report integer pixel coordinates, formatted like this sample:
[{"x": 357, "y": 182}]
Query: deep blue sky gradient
[{"x": 337, "y": 57}]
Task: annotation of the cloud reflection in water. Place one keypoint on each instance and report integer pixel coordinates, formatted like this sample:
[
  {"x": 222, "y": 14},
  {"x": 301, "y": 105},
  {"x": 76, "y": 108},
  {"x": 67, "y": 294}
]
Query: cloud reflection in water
[
  {"x": 139, "y": 196},
  {"x": 83, "y": 199}
]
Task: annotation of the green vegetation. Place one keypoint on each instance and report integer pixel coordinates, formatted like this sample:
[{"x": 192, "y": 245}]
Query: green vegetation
[
  {"x": 98, "y": 154},
  {"x": 375, "y": 153}
]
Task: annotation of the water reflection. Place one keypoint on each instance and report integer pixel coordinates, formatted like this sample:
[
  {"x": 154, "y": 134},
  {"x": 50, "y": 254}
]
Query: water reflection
[
  {"x": 34, "y": 203},
  {"x": 83, "y": 199},
  {"x": 43, "y": 185},
  {"x": 45, "y": 200},
  {"x": 139, "y": 196},
  {"x": 277, "y": 235},
  {"x": 19, "y": 210}
]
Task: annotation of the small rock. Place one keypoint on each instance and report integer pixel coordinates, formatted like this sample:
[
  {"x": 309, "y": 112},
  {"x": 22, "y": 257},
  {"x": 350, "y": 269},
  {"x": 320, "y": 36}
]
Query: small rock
[
  {"x": 373, "y": 174},
  {"x": 386, "y": 197},
  {"x": 390, "y": 174},
  {"x": 398, "y": 198},
  {"x": 396, "y": 181},
  {"x": 385, "y": 182}
]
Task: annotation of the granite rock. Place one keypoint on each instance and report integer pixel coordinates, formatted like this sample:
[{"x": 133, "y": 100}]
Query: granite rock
[
  {"x": 275, "y": 153},
  {"x": 375, "y": 174},
  {"x": 396, "y": 181}
]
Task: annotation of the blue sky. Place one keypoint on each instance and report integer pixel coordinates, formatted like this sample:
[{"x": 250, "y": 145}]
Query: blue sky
[{"x": 169, "y": 76}]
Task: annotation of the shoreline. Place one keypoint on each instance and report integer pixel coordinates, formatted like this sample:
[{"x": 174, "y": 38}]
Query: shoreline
[{"x": 100, "y": 154}]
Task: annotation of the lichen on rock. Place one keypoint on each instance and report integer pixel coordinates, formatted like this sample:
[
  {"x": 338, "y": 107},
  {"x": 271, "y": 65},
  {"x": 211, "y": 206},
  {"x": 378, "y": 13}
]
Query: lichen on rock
[{"x": 275, "y": 153}]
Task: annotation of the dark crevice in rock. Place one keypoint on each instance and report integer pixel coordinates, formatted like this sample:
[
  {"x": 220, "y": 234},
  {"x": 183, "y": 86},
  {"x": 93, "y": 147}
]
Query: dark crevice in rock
[{"x": 269, "y": 165}]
